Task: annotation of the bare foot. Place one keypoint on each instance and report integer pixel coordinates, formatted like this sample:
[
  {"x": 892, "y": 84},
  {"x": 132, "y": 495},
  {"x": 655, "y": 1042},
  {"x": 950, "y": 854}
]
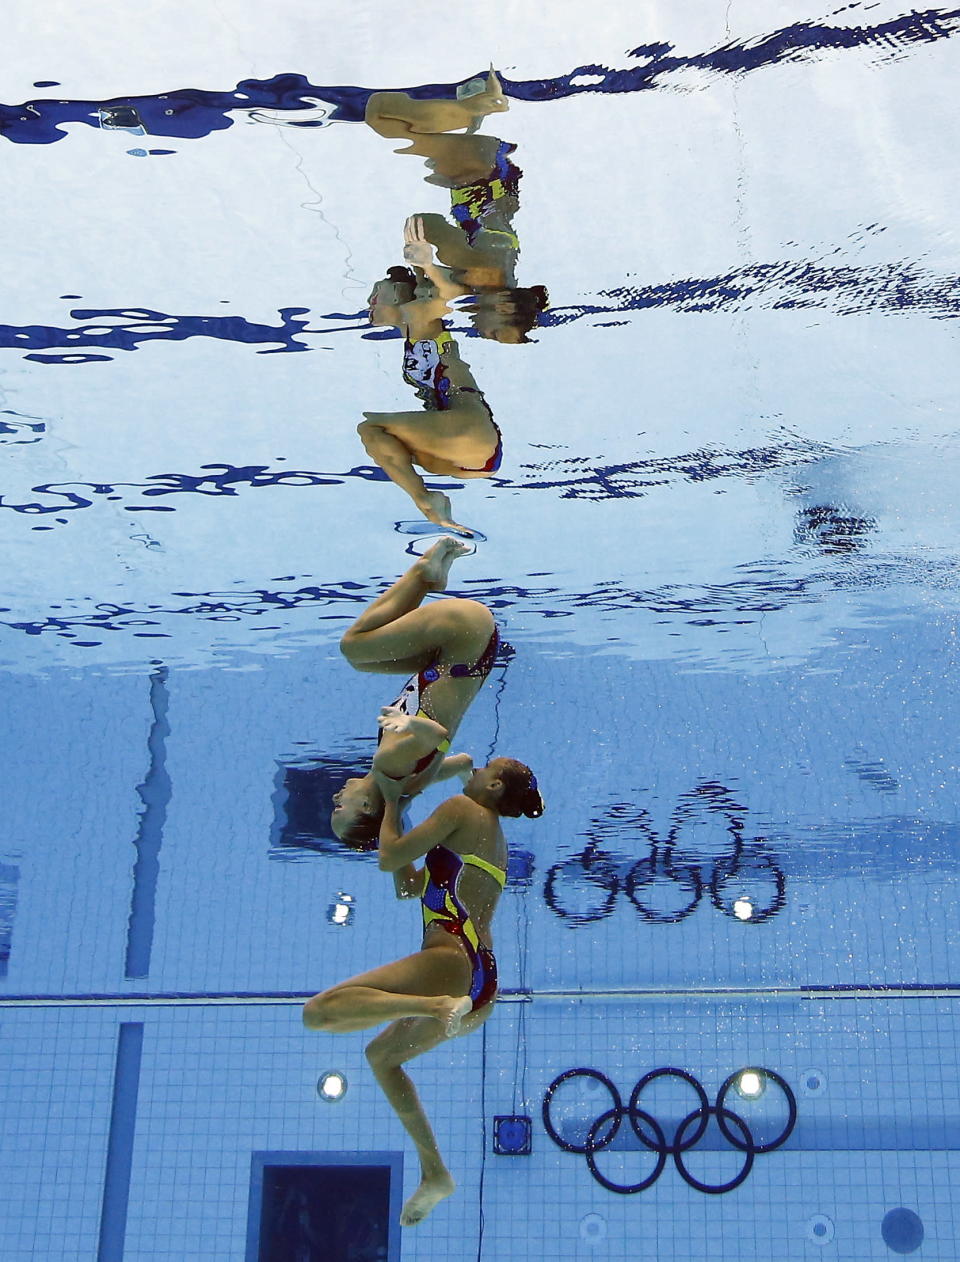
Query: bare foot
[
  {"x": 452, "y": 1011},
  {"x": 436, "y": 507},
  {"x": 436, "y": 561},
  {"x": 428, "y": 1195}
]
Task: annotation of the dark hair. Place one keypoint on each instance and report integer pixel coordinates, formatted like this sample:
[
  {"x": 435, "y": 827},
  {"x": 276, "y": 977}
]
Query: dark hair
[
  {"x": 401, "y": 276},
  {"x": 525, "y": 305},
  {"x": 520, "y": 795},
  {"x": 364, "y": 832}
]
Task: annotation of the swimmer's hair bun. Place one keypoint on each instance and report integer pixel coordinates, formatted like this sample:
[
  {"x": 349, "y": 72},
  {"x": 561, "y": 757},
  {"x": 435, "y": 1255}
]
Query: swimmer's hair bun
[
  {"x": 534, "y": 806},
  {"x": 521, "y": 795},
  {"x": 401, "y": 276}
]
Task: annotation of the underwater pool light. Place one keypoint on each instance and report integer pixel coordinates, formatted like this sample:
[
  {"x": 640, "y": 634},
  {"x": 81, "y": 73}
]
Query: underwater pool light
[
  {"x": 750, "y": 1084},
  {"x": 332, "y": 1086},
  {"x": 340, "y": 911},
  {"x": 743, "y": 908}
]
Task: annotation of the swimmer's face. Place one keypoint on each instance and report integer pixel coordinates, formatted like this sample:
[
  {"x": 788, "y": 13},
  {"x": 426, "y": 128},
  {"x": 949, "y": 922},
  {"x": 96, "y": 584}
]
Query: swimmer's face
[
  {"x": 387, "y": 293},
  {"x": 350, "y": 803},
  {"x": 493, "y": 319},
  {"x": 488, "y": 777}
]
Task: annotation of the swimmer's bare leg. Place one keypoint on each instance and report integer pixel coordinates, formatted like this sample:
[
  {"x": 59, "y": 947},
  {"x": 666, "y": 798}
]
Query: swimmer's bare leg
[
  {"x": 436, "y": 561},
  {"x": 430, "y": 573},
  {"x": 399, "y": 1043},
  {"x": 394, "y": 459},
  {"x": 397, "y": 116}
]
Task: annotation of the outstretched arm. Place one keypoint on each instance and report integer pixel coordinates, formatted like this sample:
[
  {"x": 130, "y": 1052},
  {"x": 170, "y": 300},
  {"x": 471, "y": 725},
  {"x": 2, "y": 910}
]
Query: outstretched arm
[{"x": 456, "y": 765}]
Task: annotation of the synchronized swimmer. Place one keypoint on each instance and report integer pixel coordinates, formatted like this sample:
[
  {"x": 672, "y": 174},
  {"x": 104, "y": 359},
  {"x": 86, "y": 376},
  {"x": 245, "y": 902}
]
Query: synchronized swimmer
[
  {"x": 448, "y": 987},
  {"x": 448, "y": 647}
]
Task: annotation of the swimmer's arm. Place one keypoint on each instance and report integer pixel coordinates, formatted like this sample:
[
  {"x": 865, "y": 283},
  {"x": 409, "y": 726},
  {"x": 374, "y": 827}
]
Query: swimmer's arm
[
  {"x": 419, "y": 251},
  {"x": 456, "y": 765},
  {"x": 397, "y": 848},
  {"x": 408, "y": 881},
  {"x": 447, "y": 288}
]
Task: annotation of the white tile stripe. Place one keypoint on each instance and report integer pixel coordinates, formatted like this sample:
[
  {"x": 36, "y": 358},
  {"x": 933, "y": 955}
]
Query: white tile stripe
[{"x": 723, "y": 994}]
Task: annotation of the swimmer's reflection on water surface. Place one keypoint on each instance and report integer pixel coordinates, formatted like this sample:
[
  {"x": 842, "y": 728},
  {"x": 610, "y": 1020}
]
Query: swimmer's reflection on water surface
[
  {"x": 480, "y": 246},
  {"x": 455, "y": 434},
  {"x": 398, "y": 116}
]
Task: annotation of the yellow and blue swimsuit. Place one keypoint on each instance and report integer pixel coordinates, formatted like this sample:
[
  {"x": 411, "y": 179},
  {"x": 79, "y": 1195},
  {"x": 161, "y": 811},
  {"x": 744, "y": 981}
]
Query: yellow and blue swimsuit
[
  {"x": 441, "y": 906},
  {"x": 471, "y": 203}
]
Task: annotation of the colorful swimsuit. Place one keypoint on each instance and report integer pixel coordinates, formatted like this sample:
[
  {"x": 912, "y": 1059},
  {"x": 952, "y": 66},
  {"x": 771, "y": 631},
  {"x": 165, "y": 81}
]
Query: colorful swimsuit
[
  {"x": 441, "y": 906},
  {"x": 412, "y": 698},
  {"x": 471, "y": 203},
  {"x": 424, "y": 368}
]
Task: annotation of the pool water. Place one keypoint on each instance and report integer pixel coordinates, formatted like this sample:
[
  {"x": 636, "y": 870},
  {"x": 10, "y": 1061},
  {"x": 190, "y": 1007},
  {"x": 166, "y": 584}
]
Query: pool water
[{"x": 722, "y": 551}]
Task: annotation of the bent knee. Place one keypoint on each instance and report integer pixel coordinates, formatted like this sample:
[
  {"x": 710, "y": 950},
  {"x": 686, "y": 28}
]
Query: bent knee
[
  {"x": 376, "y": 1054},
  {"x": 387, "y": 1050},
  {"x": 349, "y": 642},
  {"x": 315, "y": 1014},
  {"x": 468, "y": 615}
]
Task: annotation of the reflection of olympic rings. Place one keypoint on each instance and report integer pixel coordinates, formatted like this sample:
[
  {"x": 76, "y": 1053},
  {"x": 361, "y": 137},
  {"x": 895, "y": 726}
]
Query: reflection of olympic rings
[
  {"x": 750, "y": 865},
  {"x": 648, "y": 872},
  {"x": 603, "y": 1130},
  {"x": 745, "y": 882}
]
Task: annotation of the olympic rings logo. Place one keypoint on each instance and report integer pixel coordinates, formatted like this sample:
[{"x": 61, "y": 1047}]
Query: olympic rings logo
[{"x": 689, "y": 1131}]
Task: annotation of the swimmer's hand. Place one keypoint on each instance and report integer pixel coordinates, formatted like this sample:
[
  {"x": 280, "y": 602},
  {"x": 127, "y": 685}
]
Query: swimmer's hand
[
  {"x": 465, "y": 771},
  {"x": 417, "y": 249},
  {"x": 392, "y": 719},
  {"x": 460, "y": 765}
]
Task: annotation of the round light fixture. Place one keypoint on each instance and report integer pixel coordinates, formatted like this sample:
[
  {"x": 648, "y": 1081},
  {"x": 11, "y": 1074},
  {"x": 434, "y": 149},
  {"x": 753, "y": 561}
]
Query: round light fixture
[
  {"x": 750, "y": 1084},
  {"x": 743, "y": 908},
  {"x": 332, "y": 1086}
]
